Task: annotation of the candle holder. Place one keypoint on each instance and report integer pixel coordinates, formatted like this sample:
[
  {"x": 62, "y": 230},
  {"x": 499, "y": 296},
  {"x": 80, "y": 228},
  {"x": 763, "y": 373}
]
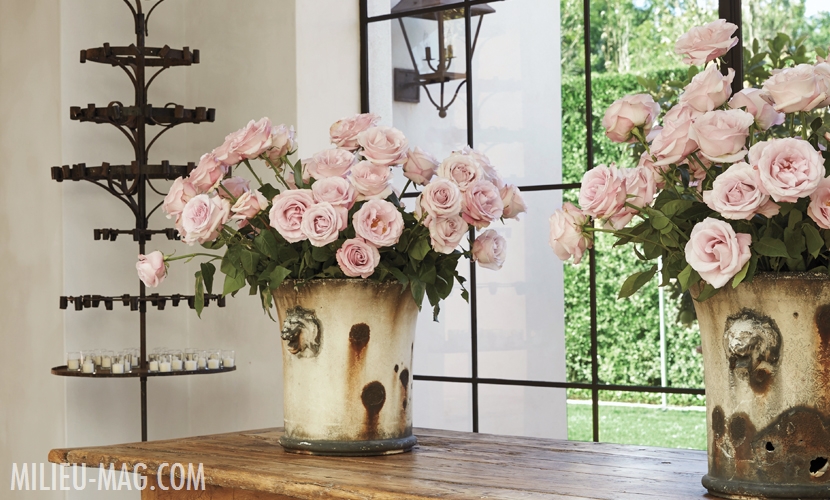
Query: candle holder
[
  {"x": 214, "y": 359},
  {"x": 177, "y": 361},
  {"x": 106, "y": 360},
  {"x": 117, "y": 365},
  {"x": 201, "y": 360},
  {"x": 228, "y": 359},
  {"x": 88, "y": 364},
  {"x": 73, "y": 361},
  {"x": 191, "y": 358}
]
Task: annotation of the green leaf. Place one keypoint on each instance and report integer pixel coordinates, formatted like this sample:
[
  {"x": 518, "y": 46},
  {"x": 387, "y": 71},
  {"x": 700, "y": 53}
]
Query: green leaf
[
  {"x": 636, "y": 281},
  {"x": 771, "y": 247},
  {"x": 741, "y": 275},
  {"x": 268, "y": 191},
  {"x": 213, "y": 245},
  {"x": 249, "y": 260},
  {"x": 208, "y": 270},
  {"x": 814, "y": 240},
  {"x": 420, "y": 249},
  {"x": 660, "y": 222},
  {"x": 266, "y": 243},
  {"x": 233, "y": 284},
  {"x": 321, "y": 254},
  {"x": 278, "y": 275},
  {"x": 298, "y": 174},
  {"x": 676, "y": 206},
  {"x": 418, "y": 291},
  {"x": 427, "y": 274},
  {"x": 687, "y": 277},
  {"x": 399, "y": 275},
  {"x": 199, "y": 300},
  {"x": 707, "y": 292}
]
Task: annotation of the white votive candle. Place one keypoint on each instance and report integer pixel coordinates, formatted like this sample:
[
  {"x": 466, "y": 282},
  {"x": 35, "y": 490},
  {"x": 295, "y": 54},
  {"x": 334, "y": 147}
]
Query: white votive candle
[
  {"x": 134, "y": 360},
  {"x": 127, "y": 365},
  {"x": 106, "y": 362},
  {"x": 177, "y": 365},
  {"x": 89, "y": 367},
  {"x": 98, "y": 360},
  {"x": 190, "y": 365},
  {"x": 73, "y": 364},
  {"x": 117, "y": 368},
  {"x": 227, "y": 362},
  {"x": 202, "y": 363},
  {"x": 165, "y": 366},
  {"x": 154, "y": 366},
  {"x": 213, "y": 364}
]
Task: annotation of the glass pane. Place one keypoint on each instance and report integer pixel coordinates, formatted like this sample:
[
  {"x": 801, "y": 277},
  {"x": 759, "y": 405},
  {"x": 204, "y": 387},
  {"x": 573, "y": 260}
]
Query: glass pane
[
  {"x": 521, "y": 307},
  {"x": 517, "y": 91},
  {"x": 522, "y": 411},
  {"x": 577, "y": 313},
  {"x": 407, "y": 5},
  {"x": 442, "y": 405}
]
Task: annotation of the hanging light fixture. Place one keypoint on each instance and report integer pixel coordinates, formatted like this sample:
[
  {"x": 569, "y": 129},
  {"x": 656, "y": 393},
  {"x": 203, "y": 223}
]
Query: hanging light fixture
[{"x": 439, "y": 66}]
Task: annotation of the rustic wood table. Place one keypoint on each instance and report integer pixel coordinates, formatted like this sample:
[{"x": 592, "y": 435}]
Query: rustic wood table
[{"x": 251, "y": 465}]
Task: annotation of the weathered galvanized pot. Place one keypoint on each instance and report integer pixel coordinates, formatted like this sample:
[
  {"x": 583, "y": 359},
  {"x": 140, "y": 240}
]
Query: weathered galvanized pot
[
  {"x": 766, "y": 356},
  {"x": 347, "y": 357}
]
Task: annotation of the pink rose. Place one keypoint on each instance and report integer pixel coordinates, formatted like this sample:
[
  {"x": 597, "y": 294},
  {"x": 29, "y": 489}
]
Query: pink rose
[
  {"x": 647, "y": 161},
  {"x": 202, "y": 218},
  {"x": 640, "y": 188},
  {"x": 371, "y": 181},
  {"x": 489, "y": 250},
  {"x": 819, "y": 209},
  {"x": 378, "y": 222},
  {"x": 789, "y": 168},
  {"x": 227, "y": 154},
  {"x": 180, "y": 193},
  {"x": 151, "y": 268},
  {"x": 248, "y": 204},
  {"x": 567, "y": 238},
  {"x": 702, "y": 44},
  {"x": 207, "y": 174},
  {"x": 802, "y": 88},
  {"x": 722, "y": 135},
  {"x": 716, "y": 252},
  {"x": 282, "y": 143},
  {"x": 440, "y": 198},
  {"x": 322, "y": 224},
  {"x": 420, "y": 166},
  {"x": 445, "y": 233},
  {"x": 629, "y": 113},
  {"x": 358, "y": 258},
  {"x": 481, "y": 204},
  {"x": 286, "y": 215},
  {"x": 708, "y": 90},
  {"x": 335, "y": 190},
  {"x": 330, "y": 163},
  {"x": 383, "y": 146},
  {"x": 461, "y": 169},
  {"x": 736, "y": 194},
  {"x": 513, "y": 202},
  {"x": 255, "y": 139},
  {"x": 755, "y": 104},
  {"x": 602, "y": 194},
  {"x": 344, "y": 132},
  {"x": 681, "y": 113},
  {"x": 673, "y": 144},
  {"x": 233, "y": 187},
  {"x": 483, "y": 162}
]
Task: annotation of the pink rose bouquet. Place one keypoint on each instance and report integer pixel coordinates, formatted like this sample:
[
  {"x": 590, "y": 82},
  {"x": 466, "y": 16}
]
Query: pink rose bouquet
[
  {"x": 336, "y": 214},
  {"x": 727, "y": 187}
]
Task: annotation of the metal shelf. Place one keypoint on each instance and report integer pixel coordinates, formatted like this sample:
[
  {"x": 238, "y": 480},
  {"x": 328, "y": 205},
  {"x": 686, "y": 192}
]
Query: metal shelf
[
  {"x": 81, "y": 302},
  {"x": 64, "y": 372}
]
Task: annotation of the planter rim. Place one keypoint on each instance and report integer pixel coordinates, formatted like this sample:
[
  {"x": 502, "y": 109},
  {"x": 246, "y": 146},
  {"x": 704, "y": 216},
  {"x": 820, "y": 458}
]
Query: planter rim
[
  {"x": 340, "y": 282},
  {"x": 803, "y": 276}
]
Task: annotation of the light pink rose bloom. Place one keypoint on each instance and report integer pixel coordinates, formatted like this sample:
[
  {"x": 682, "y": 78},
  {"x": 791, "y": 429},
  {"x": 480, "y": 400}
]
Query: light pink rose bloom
[
  {"x": 180, "y": 193},
  {"x": 461, "y": 169},
  {"x": 233, "y": 187},
  {"x": 708, "y": 90},
  {"x": 481, "y": 204},
  {"x": 440, "y": 198},
  {"x": 602, "y": 194},
  {"x": 819, "y": 209},
  {"x": 445, "y": 233},
  {"x": 629, "y": 113},
  {"x": 681, "y": 113},
  {"x": 483, "y": 162},
  {"x": 202, "y": 218},
  {"x": 716, "y": 252},
  {"x": 151, "y": 268},
  {"x": 371, "y": 181},
  {"x": 789, "y": 168},
  {"x": 420, "y": 166},
  {"x": 207, "y": 174},
  {"x": 640, "y": 188},
  {"x": 378, "y": 222},
  {"x": 255, "y": 140},
  {"x": 702, "y": 44},
  {"x": 673, "y": 144},
  {"x": 286, "y": 215},
  {"x": 722, "y": 135},
  {"x": 514, "y": 203},
  {"x": 248, "y": 205},
  {"x": 755, "y": 104},
  {"x": 736, "y": 194},
  {"x": 330, "y": 163},
  {"x": 697, "y": 169},
  {"x": 567, "y": 238},
  {"x": 801, "y": 88},
  {"x": 335, "y": 190},
  {"x": 228, "y": 153},
  {"x": 357, "y": 257},
  {"x": 322, "y": 224},
  {"x": 282, "y": 143},
  {"x": 490, "y": 250},
  {"x": 647, "y": 161},
  {"x": 383, "y": 146},
  {"x": 344, "y": 132}
]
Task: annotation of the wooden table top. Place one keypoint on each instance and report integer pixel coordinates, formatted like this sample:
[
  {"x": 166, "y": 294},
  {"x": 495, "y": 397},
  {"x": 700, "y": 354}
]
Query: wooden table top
[{"x": 444, "y": 464}]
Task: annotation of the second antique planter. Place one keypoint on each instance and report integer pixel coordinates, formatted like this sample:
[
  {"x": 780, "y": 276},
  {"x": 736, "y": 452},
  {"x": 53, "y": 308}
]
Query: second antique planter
[
  {"x": 347, "y": 360},
  {"x": 766, "y": 348}
]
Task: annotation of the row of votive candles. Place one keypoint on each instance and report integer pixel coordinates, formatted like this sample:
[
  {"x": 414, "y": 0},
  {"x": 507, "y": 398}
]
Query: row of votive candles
[{"x": 160, "y": 360}]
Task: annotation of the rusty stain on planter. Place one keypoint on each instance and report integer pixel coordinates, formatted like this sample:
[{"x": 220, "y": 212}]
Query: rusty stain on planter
[
  {"x": 373, "y": 398},
  {"x": 404, "y": 378},
  {"x": 359, "y": 336}
]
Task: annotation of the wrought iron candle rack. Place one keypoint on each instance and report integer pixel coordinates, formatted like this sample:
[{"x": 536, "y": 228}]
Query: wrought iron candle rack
[{"x": 129, "y": 183}]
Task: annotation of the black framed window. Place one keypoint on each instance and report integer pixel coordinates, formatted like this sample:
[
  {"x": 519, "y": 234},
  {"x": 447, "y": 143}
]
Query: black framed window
[{"x": 484, "y": 366}]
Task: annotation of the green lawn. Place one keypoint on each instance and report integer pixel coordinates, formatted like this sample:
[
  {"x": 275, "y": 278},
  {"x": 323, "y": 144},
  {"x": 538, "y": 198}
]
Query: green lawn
[{"x": 635, "y": 425}]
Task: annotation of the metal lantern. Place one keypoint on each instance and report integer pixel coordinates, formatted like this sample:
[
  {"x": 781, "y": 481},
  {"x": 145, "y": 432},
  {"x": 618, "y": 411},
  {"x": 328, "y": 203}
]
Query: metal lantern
[{"x": 408, "y": 82}]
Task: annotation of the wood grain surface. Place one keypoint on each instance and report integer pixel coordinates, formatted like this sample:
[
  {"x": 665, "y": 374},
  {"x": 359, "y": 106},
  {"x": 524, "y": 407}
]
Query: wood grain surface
[{"x": 444, "y": 464}]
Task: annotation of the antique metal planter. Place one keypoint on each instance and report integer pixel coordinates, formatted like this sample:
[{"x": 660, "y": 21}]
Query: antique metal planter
[
  {"x": 766, "y": 348},
  {"x": 347, "y": 359}
]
